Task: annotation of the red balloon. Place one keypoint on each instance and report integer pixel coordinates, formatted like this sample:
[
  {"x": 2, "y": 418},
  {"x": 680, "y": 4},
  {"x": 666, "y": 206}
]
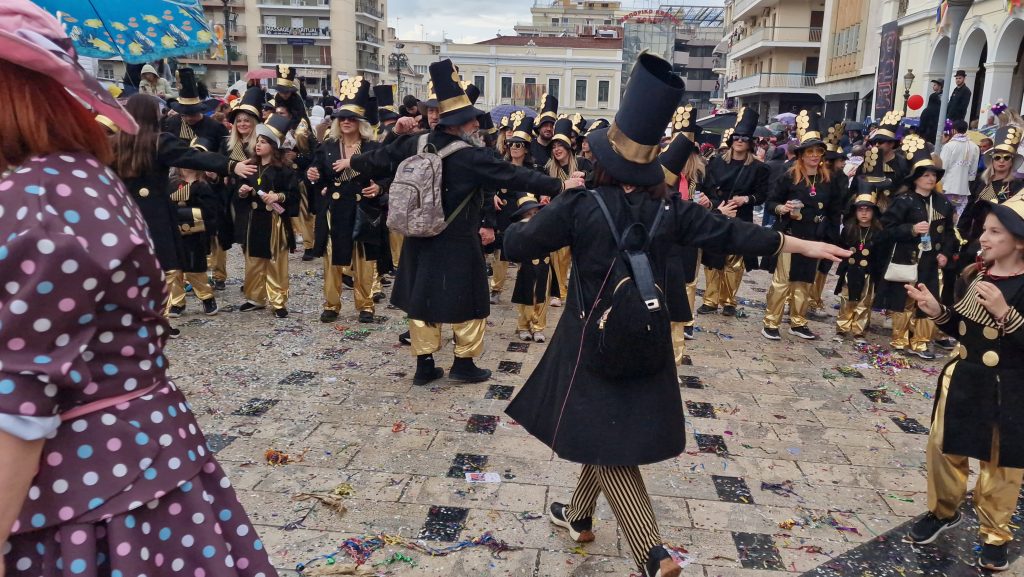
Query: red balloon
[{"x": 915, "y": 102}]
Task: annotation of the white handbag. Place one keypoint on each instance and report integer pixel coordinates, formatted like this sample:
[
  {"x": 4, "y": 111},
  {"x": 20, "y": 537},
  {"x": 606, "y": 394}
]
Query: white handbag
[{"x": 901, "y": 273}]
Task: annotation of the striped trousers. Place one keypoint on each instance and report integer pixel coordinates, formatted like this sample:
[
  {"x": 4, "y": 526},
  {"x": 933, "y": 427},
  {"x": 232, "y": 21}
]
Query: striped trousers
[{"x": 624, "y": 489}]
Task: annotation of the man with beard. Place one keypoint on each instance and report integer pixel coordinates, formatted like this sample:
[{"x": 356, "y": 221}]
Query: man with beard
[
  {"x": 443, "y": 279},
  {"x": 540, "y": 148}
]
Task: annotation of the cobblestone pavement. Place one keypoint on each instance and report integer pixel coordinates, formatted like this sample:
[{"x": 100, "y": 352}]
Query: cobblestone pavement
[{"x": 800, "y": 458}]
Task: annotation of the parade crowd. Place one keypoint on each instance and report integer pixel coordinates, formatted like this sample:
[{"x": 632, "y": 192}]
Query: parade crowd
[{"x": 610, "y": 219}]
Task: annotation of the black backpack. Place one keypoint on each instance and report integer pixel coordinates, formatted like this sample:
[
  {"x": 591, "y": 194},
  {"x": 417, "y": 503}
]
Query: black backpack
[{"x": 628, "y": 326}]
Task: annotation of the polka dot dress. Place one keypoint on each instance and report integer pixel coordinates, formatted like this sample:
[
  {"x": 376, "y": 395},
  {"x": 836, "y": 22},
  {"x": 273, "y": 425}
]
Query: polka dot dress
[{"x": 127, "y": 491}]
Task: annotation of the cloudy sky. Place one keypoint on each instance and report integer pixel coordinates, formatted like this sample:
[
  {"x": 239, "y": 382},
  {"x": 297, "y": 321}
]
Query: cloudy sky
[{"x": 462, "y": 21}]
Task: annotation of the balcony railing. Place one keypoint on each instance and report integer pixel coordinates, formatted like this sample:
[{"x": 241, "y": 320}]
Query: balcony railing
[
  {"x": 324, "y": 32},
  {"x": 368, "y": 62},
  {"x": 368, "y": 37},
  {"x": 774, "y": 81},
  {"x": 304, "y": 61},
  {"x": 777, "y": 34},
  {"x": 369, "y": 8},
  {"x": 296, "y": 3},
  {"x": 742, "y": 6},
  {"x": 523, "y": 94}
]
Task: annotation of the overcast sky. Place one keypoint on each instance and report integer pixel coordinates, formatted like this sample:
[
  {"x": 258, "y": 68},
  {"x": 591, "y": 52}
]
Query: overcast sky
[{"x": 463, "y": 21}]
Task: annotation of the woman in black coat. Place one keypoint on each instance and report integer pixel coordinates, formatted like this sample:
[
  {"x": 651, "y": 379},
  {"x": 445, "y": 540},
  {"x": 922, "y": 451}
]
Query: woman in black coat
[
  {"x": 612, "y": 426},
  {"x": 917, "y": 228}
]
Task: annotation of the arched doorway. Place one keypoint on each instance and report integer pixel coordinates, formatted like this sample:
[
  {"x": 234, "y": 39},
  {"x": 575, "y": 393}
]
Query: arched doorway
[
  {"x": 940, "y": 53},
  {"x": 1009, "y": 51},
  {"x": 973, "y": 57}
]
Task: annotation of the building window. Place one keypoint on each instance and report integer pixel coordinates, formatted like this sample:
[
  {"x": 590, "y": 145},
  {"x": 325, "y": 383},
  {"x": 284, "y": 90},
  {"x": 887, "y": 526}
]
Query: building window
[
  {"x": 581, "y": 90},
  {"x": 479, "y": 82},
  {"x": 420, "y": 69},
  {"x": 554, "y": 87},
  {"x": 435, "y": 49},
  {"x": 603, "y": 88},
  {"x": 554, "y": 21},
  {"x": 270, "y": 53},
  {"x": 105, "y": 71},
  {"x": 506, "y": 87},
  {"x": 270, "y": 20}
]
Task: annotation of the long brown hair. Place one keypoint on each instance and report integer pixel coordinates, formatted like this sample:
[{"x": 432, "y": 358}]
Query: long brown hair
[
  {"x": 134, "y": 153},
  {"x": 800, "y": 174},
  {"x": 39, "y": 117},
  {"x": 603, "y": 178}
]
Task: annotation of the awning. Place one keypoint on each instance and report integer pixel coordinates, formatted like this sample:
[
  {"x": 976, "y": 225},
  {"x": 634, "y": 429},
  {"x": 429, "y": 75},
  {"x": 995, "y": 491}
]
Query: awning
[
  {"x": 842, "y": 96},
  {"x": 717, "y": 123}
]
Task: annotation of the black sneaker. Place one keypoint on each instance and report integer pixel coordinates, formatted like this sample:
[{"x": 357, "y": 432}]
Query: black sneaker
[
  {"x": 803, "y": 333},
  {"x": 465, "y": 370},
  {"x": 993, "y": 557},
  {"x": 706, "y": 310},
  {"x": 929, "y": 527},
  {"x": 661, "y": 564},
  {"x": 377, "y": 297},
  {"x": 494, "y": 297},
  {"x": 925, "y": 354},
  {"x": 348, "y": 281},
  {"x": 174, "y": 333},
  {"x": 426, "y": 371},
  {"x": 385, "y": 281},
  {"x": 210, "y": 307},
  {"x": 405, "y": 338},
  {"x": 281, "y": 313},
  {"x": 772, "y": 334},
  {"x": 176, "y": 312},
  {"x": 365, "y": 316},
  {"x": 218, "y": 285},
  {"x": 688, "y": 334},
  {"x": 249, "y": 306},
  {"x": 817, "y": 314},
  {"x": 728, "y": 311},
  {"x": 328, "y": 316},
  {"x": 946, "y": 344},
  {"x": 307, "y": 255},
  {"x": 581, "y": 531}
]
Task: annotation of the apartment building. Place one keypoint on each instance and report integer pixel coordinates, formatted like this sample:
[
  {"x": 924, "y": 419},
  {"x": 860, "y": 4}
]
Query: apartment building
[
  {"x": 698, "y": 32},
  {"x": 571, "y": 18},
  {"x": 415, "y": 56},
  {"x": 849, "y": 57}
]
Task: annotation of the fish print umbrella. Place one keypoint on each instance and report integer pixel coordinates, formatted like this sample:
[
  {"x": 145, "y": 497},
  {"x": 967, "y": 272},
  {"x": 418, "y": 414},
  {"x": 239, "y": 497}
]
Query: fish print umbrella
[{"x": 138, "y": 31}]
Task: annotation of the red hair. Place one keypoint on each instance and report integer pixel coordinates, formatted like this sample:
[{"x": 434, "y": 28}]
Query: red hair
[{"x": 40, "y": 117}]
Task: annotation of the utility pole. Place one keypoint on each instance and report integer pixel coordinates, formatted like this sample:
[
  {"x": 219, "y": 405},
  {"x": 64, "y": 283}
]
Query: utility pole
[{"x": 227, "y": 37}]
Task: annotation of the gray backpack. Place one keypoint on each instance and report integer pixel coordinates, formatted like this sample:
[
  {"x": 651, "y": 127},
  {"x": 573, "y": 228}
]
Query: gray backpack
[{"x": 414, "y": 199}]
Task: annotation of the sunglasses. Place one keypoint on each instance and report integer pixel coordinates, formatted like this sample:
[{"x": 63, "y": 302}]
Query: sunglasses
[
  {"x": 517, "y": 145},
  {"x": 741, "y": 138},
  {"x": 1002, "y": 157}
]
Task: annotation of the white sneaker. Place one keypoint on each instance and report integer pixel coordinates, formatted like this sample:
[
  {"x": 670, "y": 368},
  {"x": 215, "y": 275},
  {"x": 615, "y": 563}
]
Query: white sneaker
[
  {"x": 525, "y": 336},
  {"x": 538, "y": 337},
  {"x": 555, "y": 302}
]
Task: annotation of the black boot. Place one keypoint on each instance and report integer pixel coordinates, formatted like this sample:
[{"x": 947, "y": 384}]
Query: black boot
[
  {"x": 426, "y": 371},
  {"x": 463, "y": 369}
]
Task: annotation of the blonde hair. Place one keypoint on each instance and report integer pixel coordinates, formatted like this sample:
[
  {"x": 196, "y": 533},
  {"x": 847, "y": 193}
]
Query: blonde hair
[
  {"x": 234, "y": 139},
  {"x": 695, "y": 168},
  {"x": 555, "y": 170},
  {"x": 727, "y": 156},
  {"x": 365, "y": 130}
]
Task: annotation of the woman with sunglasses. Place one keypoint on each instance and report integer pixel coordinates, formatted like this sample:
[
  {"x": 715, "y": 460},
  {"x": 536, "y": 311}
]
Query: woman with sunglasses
[{"x": 809, "y": 204}]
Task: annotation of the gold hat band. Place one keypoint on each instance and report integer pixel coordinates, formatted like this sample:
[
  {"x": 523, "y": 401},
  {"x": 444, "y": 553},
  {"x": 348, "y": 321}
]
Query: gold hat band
[
  {"x": 884, "y": 132},
  {"x": 809, "y": 135},
  {"x": 354, "y": 108},
  {"x": 562, "y": 138},
  {"x": 108, "y": 123},
  {"x": 525, "y": 199},
  {"x": 924, "y": 163},
  {"x": 249, "y": 108},
  {"x": 454, "y": 103},
  {"x": 1002, "y": 147},
  {"x": 630, "y": 149},
  {"x": 286, "y": 82},
  {"x": 189, "y": 101},
  {"x": 870, "y": 197},
  {"x": 671, "y": 178},
  {"x": 524, "y": 135}
]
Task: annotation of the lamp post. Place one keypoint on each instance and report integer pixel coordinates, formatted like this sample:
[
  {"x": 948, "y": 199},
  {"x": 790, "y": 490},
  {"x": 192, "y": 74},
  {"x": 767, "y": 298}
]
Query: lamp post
[
  {"x": 956, "y": 11},
  {"x": 227, "y": 37},
  {"x": 908, "y": 81},
  {"x": 397, "y": 61}
]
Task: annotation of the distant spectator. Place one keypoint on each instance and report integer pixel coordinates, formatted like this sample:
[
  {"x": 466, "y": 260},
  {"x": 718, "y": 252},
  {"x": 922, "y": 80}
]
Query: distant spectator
[
  {"x": 960, "y": 99},
  {"x": 233, "y": 95},
  {"x": 960, "y": 160},
  {"x": 930, "y": 116}
]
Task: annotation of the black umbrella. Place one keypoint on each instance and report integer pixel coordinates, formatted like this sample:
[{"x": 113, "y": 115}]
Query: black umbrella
[
  {"x": 762, "y": 132},
  {"x": 854, "y": 125},
  {"x": 718, "y": 123}
]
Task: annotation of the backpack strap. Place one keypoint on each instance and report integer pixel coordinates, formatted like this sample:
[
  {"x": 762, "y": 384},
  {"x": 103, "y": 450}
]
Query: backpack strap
[
  {"x": 421, "y": 143},
  {"x": 608, "y": 218},
  {"x": 452, "y": 148},
  {"x": 461, "y": 206}
]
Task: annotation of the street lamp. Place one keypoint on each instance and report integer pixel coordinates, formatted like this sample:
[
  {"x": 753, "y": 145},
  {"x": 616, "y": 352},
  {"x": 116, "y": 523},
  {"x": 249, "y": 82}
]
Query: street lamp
[
  {"x": 397, "y": 61},
  {"x": 908, "y": 80}
]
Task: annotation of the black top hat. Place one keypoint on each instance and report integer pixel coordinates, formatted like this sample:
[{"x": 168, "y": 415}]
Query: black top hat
[
  {"x": 486, "y": 123},
  {"x": 522, "y": 129},
  {"x": 188, "y": 95},
  {"x": 472, "y": 92},
  {"x": 250, "y": 103},
  {"x": 452, "y": 101},
  {"x": 204, "y": 143},
  {"x": 886, "y": 131},
  {"x": 746, "y": 123},
  {"x": 808, "y": 131},
  {"x": 867, "y": 194},
  {"x": 960, "y": 74},
  {"x": 685, "y": 120},
  {"x": 285, "y": 81},
  {"x": 919, "y": 156},
  {"x": 564, "y": 131},
  {"x": 595, "y": 126},
  {"x": 628, "y": 149},
  {"x": 372, "y": 112},
  {"x": 674, "y": 156},
  {"x": 1006, "y": 139},
  {"x": 1009, "y": 213},
  {"x": 525, "y": 203},
  {"x": 549, "y": 110},
  {"x": 939, "y": 81},
  {"x": 354, "y": 96},
  {"x": 431, "y": 101},
  {"x": 274, "y": 129},
  {"x": 386, "y": 108},
  {"x": 833, "y": 150}
]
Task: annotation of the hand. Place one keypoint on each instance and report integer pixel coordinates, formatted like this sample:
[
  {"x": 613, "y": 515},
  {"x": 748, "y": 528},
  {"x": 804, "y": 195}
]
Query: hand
[
  {"x": 312, "y": 174},
  {"x": 544, "y": 200},
  {"x": 921, "y": 228},
  {"x": 727, "y": 209},
  {"x": 341, "y": 164},
  {"x": 578, "y": 174},
  {"x": 784, "y": 209},
  {"x": 270, "y": 198},
  {"x": 486, "y": 236},
  {"x": 573, "y": 182},
  {"x": 498, "y": 203},
  {"x": 814, "y": 249},
  {"x": 992, "y": 299},
  {"x": 704, "y": 201},
  {"x": 926, "y": 302},
  {"x": 738, "y": 201},
  {"x": 244, "y": 190},
  {"x": 941, "y": 259},
  {"x": 372, "y": 190},
  {"x": 405, "y": 125},
  {"x": 245, "y": 169},
  {"x": 212, "y": 176}
]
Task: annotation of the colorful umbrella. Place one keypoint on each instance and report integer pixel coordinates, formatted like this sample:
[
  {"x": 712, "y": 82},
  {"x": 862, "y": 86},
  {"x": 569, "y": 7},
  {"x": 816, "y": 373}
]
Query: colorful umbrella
[
  {"x": 138, "y": 31},
  {"x": 786, "y": 117},
  {"x": 507, "y": 109},
  {"x": 261, "y": 73}
]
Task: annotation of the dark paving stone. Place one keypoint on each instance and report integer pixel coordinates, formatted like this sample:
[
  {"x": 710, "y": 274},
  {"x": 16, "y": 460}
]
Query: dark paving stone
[
  {"x": 828, "y": 353},
  {"x": 518, "y": 347},
  {"x": 910, "y": 425},
  {"x": 702, "y": 410},
  {"x": 878, "y": 396},
  {"x": 711, "y": 444},
  {"x": 953, "y": 554},
  {"x": 443, "y": 524},
  {"x": 510, "y": 367},
  {"x": 255, "y": 407},
  {"x": 758, "y": 551},
  {"x": 500, "y": 392},
  {"x": 485, "y": 424},
  {"x": 691, "y": 382},
  {"x": 687, "y": 361},
  {"x": 333, "y": 354},
  {"x": 215, "y": 442},
  {"x": 298, "y": 378},
  {"x": 466, "y": 463},
  {"x": 732, "y": 489}
]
